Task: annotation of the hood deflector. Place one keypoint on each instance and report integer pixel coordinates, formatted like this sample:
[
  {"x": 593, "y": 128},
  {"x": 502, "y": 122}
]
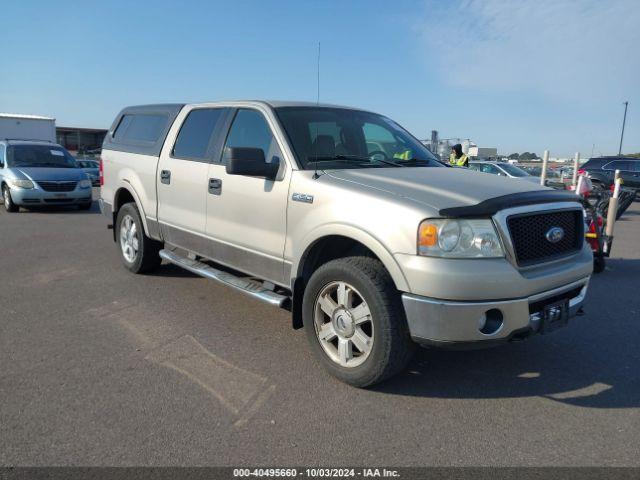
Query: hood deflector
[{"x": 491, "y": 206}]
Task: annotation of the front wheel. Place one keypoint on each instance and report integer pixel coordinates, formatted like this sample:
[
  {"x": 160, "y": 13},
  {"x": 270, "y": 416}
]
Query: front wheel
[
  {"x": 139, "y": 253},
  {"x": 355, "y": 321},
  {"x": 8, "y": 201}
]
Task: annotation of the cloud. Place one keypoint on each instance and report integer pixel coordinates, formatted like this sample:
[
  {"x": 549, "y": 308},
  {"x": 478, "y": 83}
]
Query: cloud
[{"x": 580, "y": 51}]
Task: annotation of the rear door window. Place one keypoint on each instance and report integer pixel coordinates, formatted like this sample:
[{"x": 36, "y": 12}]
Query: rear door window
[
  {"x": 623, "y": 165},
  {"x": 196, "y": 134}
]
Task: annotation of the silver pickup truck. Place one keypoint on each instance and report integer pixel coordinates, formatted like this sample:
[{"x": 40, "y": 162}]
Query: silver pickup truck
[{"x": 342, "y": 217}]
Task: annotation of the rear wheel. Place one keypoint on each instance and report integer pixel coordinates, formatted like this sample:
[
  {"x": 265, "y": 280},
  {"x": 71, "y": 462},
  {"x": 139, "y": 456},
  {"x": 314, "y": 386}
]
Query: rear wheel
[
  {"x": 8, "y": 201},
  {"x": 599, "y": 263},
  {"x": 355, "y": 321},
  {"x": 139, "y": 253}
]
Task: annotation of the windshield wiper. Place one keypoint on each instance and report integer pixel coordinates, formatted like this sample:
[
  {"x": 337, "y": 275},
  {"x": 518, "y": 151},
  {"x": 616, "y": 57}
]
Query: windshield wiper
[
  {"x": 355, "y": 158},
  {"x": 414, "y": 161}
]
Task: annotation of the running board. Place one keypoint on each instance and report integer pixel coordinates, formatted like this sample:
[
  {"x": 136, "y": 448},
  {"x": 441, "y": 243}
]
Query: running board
[{"x": 249, "y": 287}]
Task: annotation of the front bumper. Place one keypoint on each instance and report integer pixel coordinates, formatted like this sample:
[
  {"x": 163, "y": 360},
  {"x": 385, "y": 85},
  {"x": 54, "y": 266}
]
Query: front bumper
[
  {"x": 38, "y": 197},
  {"x": 455, "y": 323}
]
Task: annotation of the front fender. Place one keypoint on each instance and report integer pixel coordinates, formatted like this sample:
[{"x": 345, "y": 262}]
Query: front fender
[{"x": 349, "y": 231}]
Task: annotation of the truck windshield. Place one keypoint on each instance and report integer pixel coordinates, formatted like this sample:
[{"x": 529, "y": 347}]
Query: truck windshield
[
  {"x": 39, "y": 156},
  {"x": 338, "y": 138}
]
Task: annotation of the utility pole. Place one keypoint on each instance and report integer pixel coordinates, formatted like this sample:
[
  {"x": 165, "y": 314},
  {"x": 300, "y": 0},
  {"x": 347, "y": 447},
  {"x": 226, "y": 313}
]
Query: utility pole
[{"x": 624, "y": 120}]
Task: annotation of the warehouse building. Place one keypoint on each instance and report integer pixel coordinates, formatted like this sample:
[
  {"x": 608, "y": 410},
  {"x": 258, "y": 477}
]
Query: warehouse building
[{"x": 81, "y": 141}]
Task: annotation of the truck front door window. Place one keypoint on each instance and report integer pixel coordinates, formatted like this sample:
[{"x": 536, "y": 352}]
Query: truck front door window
[{"x": 250, "y": 130}]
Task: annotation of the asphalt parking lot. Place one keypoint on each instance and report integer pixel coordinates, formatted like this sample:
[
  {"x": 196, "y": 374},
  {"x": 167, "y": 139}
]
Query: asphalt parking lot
[{"x": 102, "y": 367}]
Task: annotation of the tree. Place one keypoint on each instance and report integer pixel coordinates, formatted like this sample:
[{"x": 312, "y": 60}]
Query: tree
[
  {"x": 528, "y": 156},
  {"x": 514, "y": 156}
]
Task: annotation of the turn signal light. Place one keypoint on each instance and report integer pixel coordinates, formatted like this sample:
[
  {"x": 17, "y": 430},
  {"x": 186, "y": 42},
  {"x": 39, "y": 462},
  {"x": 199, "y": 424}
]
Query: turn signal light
[{"x": 427, "y": 235}]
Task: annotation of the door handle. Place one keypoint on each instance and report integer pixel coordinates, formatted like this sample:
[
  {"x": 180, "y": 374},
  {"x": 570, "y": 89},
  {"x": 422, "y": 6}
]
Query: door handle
[
  {"x": 165, "y": 177},
  {"x": 215, "y": 186}
]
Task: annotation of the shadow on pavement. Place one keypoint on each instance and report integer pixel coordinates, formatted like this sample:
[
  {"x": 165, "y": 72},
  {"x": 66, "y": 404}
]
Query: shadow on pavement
[
  {"x": 172, "y": 271},
  {"x": 567, "y": 374},
  {"x": 60, "y": 209},
  {"x": 594, "y": 362}
]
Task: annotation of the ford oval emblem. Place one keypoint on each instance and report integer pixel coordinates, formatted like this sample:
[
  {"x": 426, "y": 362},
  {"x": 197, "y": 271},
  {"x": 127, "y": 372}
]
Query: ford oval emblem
[{"x": 555, "y": 234}]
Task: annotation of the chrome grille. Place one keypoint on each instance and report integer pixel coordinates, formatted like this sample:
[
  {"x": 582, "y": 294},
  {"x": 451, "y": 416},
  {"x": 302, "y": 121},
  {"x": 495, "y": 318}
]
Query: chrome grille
[
  {"x": 58, "y": 186},
  {"x": 529, "y": 235}
]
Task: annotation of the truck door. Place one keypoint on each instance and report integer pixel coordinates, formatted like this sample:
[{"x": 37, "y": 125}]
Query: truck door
[
  {"x": 182, "y": 176},
  {"x": 246, "y": 216}
]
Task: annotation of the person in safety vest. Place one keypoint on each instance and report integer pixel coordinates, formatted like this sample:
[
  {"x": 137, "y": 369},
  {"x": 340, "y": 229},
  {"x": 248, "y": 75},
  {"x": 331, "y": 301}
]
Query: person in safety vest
[{"x": 457, "y": 158}]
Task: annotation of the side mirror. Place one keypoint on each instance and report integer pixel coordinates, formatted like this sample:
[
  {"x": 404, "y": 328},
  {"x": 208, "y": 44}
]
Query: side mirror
[{"x": 250, "y": 162}]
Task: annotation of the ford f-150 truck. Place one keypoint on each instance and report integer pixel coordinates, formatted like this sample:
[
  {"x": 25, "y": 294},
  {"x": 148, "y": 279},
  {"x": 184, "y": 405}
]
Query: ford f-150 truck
[{"x": 342, "y": 217}]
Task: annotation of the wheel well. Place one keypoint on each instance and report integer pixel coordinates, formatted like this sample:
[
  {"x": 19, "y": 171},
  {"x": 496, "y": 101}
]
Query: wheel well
[
  {"x": 122, "y": 197},
  {"x": 320, "y": 252}
]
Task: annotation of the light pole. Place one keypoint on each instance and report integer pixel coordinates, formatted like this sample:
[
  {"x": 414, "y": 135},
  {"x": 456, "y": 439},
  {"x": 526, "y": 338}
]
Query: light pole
[{"x": 624, "y": 120}]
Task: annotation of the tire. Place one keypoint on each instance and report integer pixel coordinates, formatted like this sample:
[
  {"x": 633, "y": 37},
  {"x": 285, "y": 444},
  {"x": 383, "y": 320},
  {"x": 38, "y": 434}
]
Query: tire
[
  {"x": 139, "y": 253},
  {"x": 9, "y": 206},
  {"x": 598, "y": 264},
  {"x": 388, "y": 347},
  {"x": 85, "y": 206}
]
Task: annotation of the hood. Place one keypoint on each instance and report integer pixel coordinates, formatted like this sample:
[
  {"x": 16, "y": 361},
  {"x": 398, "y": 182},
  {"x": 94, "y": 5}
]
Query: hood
[
  {"x": 438, "y": 188},
  {"x": 50, "y": 174}
]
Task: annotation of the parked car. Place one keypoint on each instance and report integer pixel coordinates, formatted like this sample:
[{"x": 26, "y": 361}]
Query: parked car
[
  {"x": 91, "y": 168},
  {"x": 601, "y": 171},
  {"x": 342, "y": 217},
  {"x": 503, "y": 169},
  {"x": 554, "y": 178},
  {"x": 35, "y": 173}
]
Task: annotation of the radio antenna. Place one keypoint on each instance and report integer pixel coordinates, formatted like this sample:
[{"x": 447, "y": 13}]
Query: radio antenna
[
  {"x": 318, "y": 99},
  {"x": 315, "y": 163}
]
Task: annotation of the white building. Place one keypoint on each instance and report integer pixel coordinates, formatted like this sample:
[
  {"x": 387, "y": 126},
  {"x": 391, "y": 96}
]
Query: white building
[{"x": 27, "y": 127}]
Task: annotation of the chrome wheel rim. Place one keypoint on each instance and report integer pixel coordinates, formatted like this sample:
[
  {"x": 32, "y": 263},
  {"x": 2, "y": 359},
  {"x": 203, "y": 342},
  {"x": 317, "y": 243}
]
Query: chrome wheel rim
[
  {"x": 343, "y": 324},
  {"x": 129, "y": 241},
  {"x": 6, "y": 197}
]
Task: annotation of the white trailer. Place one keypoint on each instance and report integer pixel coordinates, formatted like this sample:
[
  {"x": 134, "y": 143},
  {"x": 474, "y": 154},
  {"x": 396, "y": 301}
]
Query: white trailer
[{"x": 27, "y": 127}]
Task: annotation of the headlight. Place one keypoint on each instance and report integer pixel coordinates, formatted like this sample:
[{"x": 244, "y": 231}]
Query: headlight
[
  {"x": 86, "y": 183},
  {"x": 17, "y": 183},
  {"x": 459, "y": 239}
]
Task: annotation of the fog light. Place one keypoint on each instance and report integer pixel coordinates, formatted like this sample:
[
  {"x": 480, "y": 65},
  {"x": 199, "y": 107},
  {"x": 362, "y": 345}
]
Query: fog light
[{"x": 493, "y": 321}]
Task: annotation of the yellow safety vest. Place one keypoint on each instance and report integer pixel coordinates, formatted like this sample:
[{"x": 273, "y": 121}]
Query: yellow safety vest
[
  {"x": 463, "y": 161},
  {"x": 406, "y": 155}
]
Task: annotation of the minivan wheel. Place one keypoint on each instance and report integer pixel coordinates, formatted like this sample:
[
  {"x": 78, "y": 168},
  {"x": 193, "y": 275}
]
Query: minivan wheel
[
  {"x": 139, "y": 253},
  {"x": 355, "y": 322},
  {"x": 8, "y": 201}
]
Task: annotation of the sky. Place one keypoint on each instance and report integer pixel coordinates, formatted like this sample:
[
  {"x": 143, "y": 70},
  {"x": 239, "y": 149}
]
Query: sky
[{"x": 513, "y": 74}]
